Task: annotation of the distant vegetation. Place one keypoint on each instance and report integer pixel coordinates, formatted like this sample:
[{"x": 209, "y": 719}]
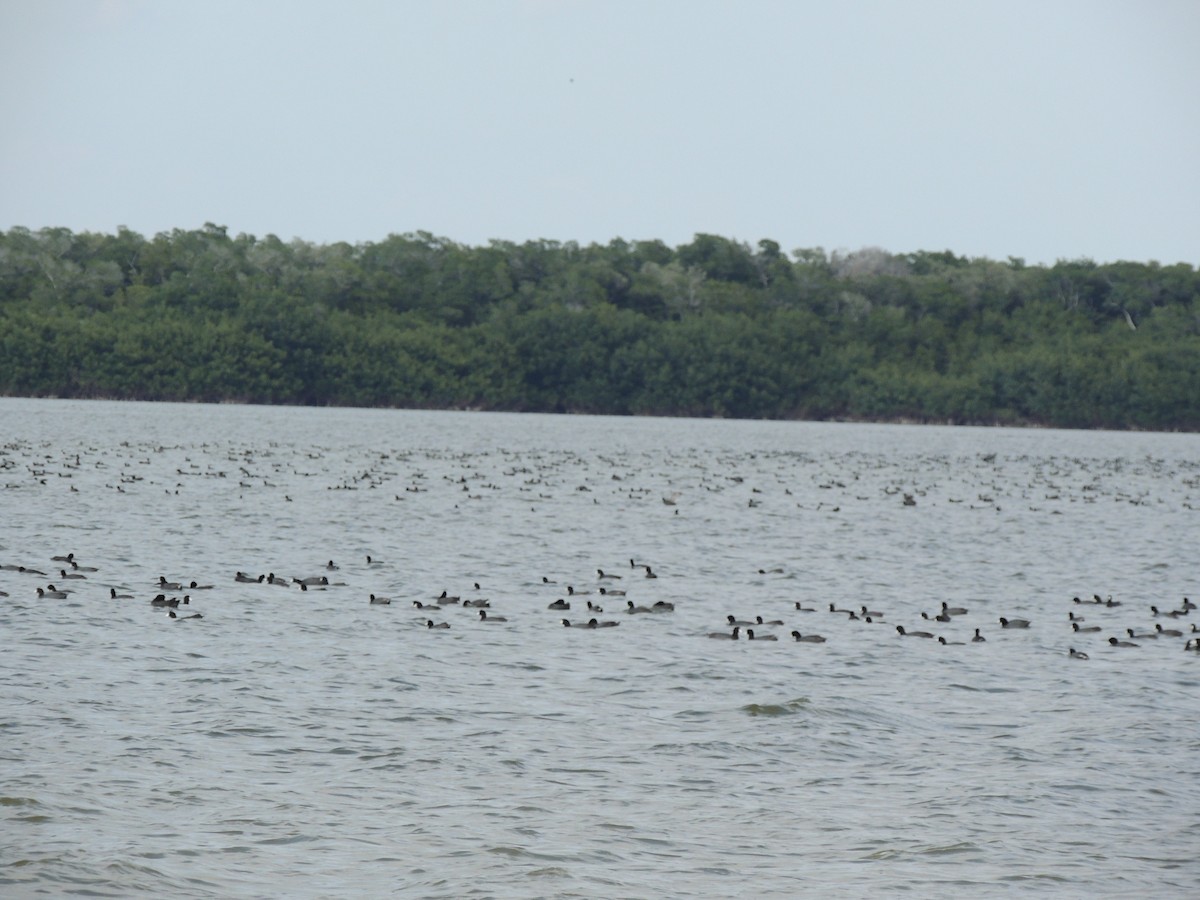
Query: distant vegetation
[{"x": 711, "y": 328}]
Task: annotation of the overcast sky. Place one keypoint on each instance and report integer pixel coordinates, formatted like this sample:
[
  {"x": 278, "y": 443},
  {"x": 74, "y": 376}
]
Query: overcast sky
[{"x": 1047, "y": 130}]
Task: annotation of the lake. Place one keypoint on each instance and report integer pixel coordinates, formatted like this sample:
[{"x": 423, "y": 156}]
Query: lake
[{"x": 309, "y": 743}]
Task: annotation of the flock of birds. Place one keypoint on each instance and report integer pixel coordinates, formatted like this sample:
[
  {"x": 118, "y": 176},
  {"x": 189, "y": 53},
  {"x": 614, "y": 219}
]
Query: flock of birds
[
  {"x": 1079, "y": 625},
  {"x": 843, "y": 489},
  {"x": 949, "y": 614},
  {"x": 176, "y": 598}
]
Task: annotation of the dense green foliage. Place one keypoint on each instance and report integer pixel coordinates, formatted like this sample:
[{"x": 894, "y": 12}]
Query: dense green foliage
[{"x": 712, "y": 328}]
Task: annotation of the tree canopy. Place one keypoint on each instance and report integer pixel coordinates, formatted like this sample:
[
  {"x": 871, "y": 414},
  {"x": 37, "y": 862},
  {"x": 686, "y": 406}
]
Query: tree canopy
[{"x": 715, "y": 327}]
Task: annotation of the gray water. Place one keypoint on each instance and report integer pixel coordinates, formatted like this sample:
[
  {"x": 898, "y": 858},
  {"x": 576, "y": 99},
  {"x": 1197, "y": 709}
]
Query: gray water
[{"x": 310, "y": 744}]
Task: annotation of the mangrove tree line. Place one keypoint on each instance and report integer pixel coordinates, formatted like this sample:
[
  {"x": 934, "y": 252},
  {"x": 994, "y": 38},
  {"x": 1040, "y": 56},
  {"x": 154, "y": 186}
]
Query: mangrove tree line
[{"x": 715, "y": 327}]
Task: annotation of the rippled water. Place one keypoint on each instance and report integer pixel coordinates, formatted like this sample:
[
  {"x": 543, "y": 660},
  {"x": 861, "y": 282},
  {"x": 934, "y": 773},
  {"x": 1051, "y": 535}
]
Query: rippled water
[{"x": 307, "y": 743}]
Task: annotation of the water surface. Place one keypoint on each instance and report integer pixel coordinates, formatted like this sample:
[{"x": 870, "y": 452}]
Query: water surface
[{"x": 308, "y": 743}]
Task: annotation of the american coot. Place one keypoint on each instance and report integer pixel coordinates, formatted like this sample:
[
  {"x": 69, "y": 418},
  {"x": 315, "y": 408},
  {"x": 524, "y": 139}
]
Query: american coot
[
  {"x": 591, "y": 623},
  {"x": 807, "y": 638},
  {"x": 730, "y": 636}
]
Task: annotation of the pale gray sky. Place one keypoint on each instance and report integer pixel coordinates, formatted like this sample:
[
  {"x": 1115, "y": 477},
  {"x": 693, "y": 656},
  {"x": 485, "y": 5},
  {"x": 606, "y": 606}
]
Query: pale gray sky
[{"x": 1045, "y": 130}]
